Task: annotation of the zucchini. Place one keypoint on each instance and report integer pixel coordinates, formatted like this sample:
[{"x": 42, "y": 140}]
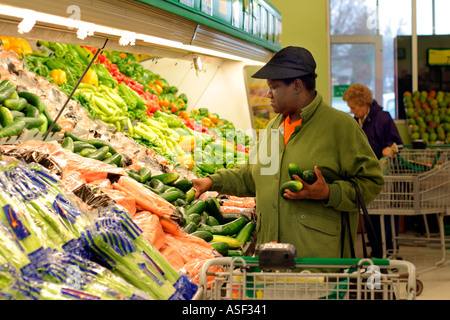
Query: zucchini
[
  {"x": 190, "y": 195},
  {"x": 170, "y": 196},
  {"x": 184, "y": 184},
  {"x": 205, "y": 235},
  {"x": 113, "y": 159},
  {"x": 213, "y": 208},
  {"x": 13, "y": 129},
  {"x": 145, "y": 174},
  {"x": 99, "y": 143},
  {"x": 294, "y": 169},
  {"x": 196, "y": 206},
  {"x": 167, "y": 178},
  {"x": 32, "y": 122},
  {"x": 190, "y": 227},
  {"x": 80, "y": 145},
  {"x": 229, "y": 228},
  {"x": 293, "y": 185},
  {"x": 67, "y": 144},
  {"x": 221, "y": 247},
  {"x": 6, "y": 116},
  {"x": 182, "y": 194},
  {"x": 133, "y": 173},
  {"x": 232, "y": 242},
  {"x": 244, "y": 234},
  {"x": 150, "y": 188}
]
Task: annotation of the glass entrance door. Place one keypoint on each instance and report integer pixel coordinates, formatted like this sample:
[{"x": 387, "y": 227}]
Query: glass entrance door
[{"x": 356, "y": 59}]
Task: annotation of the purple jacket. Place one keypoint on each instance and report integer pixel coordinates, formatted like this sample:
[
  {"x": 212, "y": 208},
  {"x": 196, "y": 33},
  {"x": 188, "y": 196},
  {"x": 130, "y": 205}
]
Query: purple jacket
[{"x": 380, "y": 129}]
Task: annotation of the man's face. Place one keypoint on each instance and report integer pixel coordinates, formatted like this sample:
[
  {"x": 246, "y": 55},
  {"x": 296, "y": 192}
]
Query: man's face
[{"x": 282, "y": 96}]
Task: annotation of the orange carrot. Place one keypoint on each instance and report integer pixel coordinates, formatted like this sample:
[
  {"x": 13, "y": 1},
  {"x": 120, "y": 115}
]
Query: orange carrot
[
  {"x": 151, "y": 228},
  {"x": 172, "y": 256},
  {"x": 170, "y": 226},
  {"x": 146, "y": 198}
]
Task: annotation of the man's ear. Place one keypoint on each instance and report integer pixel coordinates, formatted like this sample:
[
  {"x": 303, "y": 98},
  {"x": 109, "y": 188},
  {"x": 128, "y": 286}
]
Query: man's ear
[{"x": 298, "y": 85}]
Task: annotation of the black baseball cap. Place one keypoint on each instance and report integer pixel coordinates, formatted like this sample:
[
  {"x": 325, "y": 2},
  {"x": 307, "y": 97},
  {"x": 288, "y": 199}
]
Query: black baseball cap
[{"x": 289, "y": 62}]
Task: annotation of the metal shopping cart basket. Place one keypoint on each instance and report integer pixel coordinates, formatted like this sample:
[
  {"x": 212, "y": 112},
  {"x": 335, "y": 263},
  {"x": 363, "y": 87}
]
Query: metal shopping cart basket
[
  {"x": 417, "y": 183},
  {"x": 241, "y": 278}
]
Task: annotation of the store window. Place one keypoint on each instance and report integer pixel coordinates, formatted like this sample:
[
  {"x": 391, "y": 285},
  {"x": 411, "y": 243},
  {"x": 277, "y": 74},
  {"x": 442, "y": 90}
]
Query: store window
[{"x": 358, "y": 24}]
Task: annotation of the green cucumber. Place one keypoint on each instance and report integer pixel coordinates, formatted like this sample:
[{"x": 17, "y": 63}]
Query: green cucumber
[
  {"x": 44, "y": 126},
  {"x": 80, "y": 145},
  {"x": 226, "y": 229},
  {"x": 32, "y": 111},
  {"x": 190, "y": 195},
  {"x": 86, "y": 152},
  {"x": 194, "y": 217},
  {"x": 74, "y": 137},
  {"x": 235, "y": 253},
  {"x": 167, "y": 178},
  {"x": 244, "y": 234},
  {"x": 99, "y": 154},
  {"x": 196, "y": 206},
  {"x": 293, "y": 185},
  {"x": 170, "y": 196},
  {"x": 33, "y": 99},
  {"x": 16, "y": 114},
  {"x": 309, "y": 176},
  {"x": 294, "y": 169},
  {"x": 150, "y": 188},
  {"x": 145, "y": 174},
  {"x": 232, "y": 242},
  {"x": 6, "y": 116},
  {"x": 157, "y": 185},
  {"x": 32, "y": 122},
  {"x": 213, "y": 208},
  {"x": 13, "y": 129},
  {"x": 179, "y": 202},
  {"x": 15, "y": 104},
  {"x": 205, "y": 235},
  {"x": 184, "y": 184},
  {"x": 113, "y": 159},
  {"x": 211, "y": 221},
  {"x": 7, "y": 89},
  {"x": 133, "y": 173},
  {"x": 99, "y": 143},
  {"x": 221, "y": 247},
  {"x": 190, "y": 227},
  {"x": 67, "y": 144},
  {"x": 231, "y": 216}
]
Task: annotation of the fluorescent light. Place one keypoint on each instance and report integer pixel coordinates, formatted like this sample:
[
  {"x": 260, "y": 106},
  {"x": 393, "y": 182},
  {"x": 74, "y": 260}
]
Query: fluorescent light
[{"x": 84, "y": 29}]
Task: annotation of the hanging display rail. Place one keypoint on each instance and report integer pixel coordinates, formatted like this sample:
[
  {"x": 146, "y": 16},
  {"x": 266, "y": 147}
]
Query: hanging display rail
[{"x": 130, "y": 26}]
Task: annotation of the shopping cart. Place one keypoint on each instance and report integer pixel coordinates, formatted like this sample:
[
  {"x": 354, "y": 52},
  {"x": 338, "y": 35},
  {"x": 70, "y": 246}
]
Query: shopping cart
[
  {"x": 241, "y": 278},
  {"x": 417, "y": 183}
]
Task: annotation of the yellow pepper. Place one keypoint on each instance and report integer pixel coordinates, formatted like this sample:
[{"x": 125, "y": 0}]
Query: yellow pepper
[
  {"x": 186, "y": 159},
  {"x": 90, "y": 78},
  {"x": 5, "y": 42},
  {"x": 59, "y": 76},
  {"x": 187, "y": 143},
  {"x": 19, "y": 46}
]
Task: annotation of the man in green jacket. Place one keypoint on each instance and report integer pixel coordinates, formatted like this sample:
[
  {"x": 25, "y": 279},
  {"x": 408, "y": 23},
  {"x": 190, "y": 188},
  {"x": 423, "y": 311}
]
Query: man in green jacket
[{"x": 312, "y": 135}]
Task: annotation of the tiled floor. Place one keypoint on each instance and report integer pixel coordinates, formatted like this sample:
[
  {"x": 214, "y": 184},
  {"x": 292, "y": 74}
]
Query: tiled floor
[{"x": 425, "y": 255}]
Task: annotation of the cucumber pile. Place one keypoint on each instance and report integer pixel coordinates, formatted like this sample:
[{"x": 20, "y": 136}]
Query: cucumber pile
[
  {"x": 227, "y": 233},
  {"x": 97, "y": 149},
  {"x": 22, "y": 110}
]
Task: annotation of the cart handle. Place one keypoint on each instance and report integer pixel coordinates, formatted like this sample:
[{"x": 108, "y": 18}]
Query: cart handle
[{"x": 326, "y": 261}]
